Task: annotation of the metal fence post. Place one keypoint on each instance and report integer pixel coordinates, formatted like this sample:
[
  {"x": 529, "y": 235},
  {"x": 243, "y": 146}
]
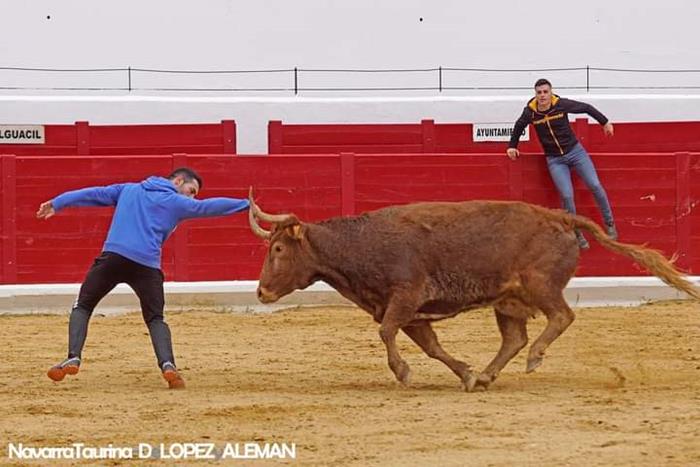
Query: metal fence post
[{"x": 296, "y": 81}]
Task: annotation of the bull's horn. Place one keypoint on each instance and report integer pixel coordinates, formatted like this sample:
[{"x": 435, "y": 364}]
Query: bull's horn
[
  {"x": 258, "y": 213},
  {"x": 255, "y": 227}
]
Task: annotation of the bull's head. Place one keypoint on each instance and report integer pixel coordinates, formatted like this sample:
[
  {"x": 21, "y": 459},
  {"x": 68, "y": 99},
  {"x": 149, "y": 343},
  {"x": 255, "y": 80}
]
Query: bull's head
[{"x": 287, "y": 264}]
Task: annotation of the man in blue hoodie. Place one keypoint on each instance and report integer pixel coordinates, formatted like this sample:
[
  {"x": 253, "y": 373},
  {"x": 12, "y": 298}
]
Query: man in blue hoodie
[{"x": 146, "y": 214}]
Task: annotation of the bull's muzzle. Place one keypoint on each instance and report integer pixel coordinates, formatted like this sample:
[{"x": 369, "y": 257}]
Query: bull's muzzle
[{"x": 265, "y": 296}]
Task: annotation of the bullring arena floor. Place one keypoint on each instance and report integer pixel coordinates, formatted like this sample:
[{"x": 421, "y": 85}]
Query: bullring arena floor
[{"x": 620, "y": 387}]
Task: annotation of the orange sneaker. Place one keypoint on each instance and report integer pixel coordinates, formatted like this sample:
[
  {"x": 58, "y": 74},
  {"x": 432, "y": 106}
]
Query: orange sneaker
[
  {"x": 172, "y": 376},
  {"x": 69, "y": 366}
]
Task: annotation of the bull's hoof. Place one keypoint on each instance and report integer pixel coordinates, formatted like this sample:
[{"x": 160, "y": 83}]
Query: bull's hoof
[
  {"x": 403, "y": 374},
  {"x": 469, "y": 381},
  {"x": 484, "y": 380},
  {"x": 533, "y": 363}
]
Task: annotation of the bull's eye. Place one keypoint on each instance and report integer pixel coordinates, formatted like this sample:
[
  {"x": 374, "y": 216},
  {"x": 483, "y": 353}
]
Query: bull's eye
[{"x": 278, "y": 248}]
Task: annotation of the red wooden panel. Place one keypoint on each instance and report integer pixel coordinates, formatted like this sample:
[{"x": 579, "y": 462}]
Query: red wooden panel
[
  {"x": 59, "y": 139},
  {"x": 357, "y": 138},
  {"x": 331, "y": 134},
  {"x": 82, "y": 135},
  {"x": 228, "y": 133},
  {"x": 3, "y": 237},
  {"x": 457, "y": 137},
  {"x": 83, "y": 138},
  {"x": 8, "y": 241},
  {"x": 683, "y": 208},
  {"x": 202, "y": 254},
  {"x": 61, "y": 249},
  {"x": 221, "y": 231},
  {"x": 179, "y": 236},
  {"x": 156, "y": 135},
  {"x": 453, "y": 137},
  {"x": 355, "y": 148},
  {"x": 646, "y": 137},
  {"x": 274, "y": 137},
  {"x": 433, "y": 159},
  {"x": 428, "y": 130},
  {"x": 237, "y": 271},
  {"x": 347, "y": 183},
  {"x": 157, "y": 139}
]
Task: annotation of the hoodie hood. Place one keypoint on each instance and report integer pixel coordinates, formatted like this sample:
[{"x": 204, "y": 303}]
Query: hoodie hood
[
  {"x": 532, "y": 103},
  {"x": 158, "y": 184}
]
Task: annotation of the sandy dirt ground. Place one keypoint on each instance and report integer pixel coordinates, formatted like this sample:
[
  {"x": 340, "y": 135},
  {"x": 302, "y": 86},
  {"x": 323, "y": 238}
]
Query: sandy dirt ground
[{"x": 620, "y": 387}]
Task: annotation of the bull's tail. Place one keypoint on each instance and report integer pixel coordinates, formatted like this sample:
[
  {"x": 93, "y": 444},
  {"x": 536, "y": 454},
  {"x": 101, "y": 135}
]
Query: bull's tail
[{"x": 651, "y": 259}]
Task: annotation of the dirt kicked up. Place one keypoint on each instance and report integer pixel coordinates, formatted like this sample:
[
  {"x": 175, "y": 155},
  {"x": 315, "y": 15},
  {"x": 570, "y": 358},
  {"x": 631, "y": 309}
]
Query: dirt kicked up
[{"x": 620, "y": 387}]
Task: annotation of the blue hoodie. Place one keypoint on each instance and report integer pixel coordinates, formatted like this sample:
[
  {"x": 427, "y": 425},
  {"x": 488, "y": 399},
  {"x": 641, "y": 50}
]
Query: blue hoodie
[{"x": 146, "y": 214}]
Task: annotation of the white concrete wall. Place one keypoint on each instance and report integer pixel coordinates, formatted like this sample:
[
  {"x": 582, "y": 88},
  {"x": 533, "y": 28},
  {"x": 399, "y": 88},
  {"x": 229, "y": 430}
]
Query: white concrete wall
[
  {"x": 215, "y": 34},
  {"x": 280, "y": 34},
  {"x": 252, "y": 114}
]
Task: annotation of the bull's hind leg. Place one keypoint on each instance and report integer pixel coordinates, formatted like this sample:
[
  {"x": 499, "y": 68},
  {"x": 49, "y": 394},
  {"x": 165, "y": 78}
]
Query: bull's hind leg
[
  {"x": 514, "y": 338},
  {"x": 559, "y": 317},
  {"x": 424, "y": 336}
]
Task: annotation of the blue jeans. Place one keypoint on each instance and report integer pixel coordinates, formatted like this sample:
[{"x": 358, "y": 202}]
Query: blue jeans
[{"x": 560, "y": 170}]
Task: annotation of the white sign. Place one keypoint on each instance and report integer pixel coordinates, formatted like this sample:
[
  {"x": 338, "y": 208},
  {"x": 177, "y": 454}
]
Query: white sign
[
  {"x": 22, "y": 134},
  {"x": 496, "y": 132}
]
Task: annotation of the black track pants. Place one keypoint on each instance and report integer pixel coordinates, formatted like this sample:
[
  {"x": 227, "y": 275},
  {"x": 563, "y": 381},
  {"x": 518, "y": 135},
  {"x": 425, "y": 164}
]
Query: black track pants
[{"x": 108, "y": 270}]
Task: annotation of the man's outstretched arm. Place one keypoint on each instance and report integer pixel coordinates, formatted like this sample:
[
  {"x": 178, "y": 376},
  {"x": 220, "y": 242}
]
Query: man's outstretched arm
[
  {"x": 577, "y": 107},
  {"x": 95, "y": 196},
  {"x": 210, "y": 207}
]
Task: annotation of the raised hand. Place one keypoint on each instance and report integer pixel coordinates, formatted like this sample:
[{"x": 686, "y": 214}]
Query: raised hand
[{"x": 46, "y": 210}]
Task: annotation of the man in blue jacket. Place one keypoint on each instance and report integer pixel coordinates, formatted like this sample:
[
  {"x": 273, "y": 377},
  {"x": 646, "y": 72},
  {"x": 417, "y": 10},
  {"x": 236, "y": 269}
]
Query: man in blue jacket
[{"x": 146, "y": 214}]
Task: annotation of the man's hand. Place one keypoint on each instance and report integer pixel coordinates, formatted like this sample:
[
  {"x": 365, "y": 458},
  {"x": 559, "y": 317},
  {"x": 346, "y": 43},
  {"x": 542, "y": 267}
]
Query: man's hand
[
  {"x": 512, "y": 153},
  {"x": 45, "y": 211},
  {"x": 608, "y": 129}
]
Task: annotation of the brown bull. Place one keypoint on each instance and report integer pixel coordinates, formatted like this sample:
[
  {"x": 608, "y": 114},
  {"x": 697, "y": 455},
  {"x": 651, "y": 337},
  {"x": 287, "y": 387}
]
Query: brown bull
[{"x": 411, "y": 265}]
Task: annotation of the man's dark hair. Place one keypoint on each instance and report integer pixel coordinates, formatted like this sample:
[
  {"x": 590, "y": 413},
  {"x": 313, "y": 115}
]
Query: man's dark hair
[
  {"x": 186, "y": 173},
  {"x": 542, "y": 81}
]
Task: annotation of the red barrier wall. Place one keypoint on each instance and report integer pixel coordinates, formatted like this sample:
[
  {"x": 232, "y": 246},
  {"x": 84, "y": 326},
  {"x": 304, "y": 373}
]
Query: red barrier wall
[
  {"x": 83, "y": 138},
  {"x": 651, "y": 194},
  {"x": 61, "y": 249},
  {"x": 429, "y": 137}
]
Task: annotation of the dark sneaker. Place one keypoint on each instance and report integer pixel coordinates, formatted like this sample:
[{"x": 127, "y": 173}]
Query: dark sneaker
[
  {"x": 582, "y": 242},
  {"x": 69, "y": 366},
  {"x": 611, "y": 230},
  {"x": 172, "y": 376}
]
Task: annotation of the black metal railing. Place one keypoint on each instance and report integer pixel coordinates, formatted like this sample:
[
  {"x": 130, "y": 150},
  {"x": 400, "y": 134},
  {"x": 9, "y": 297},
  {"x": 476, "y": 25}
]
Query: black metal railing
[{"x": 298, "y": 80}]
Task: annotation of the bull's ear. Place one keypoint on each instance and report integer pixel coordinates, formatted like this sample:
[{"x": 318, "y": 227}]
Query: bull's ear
[
  {"x": 295, "y": 231},
  {"x": 291, "y": 226}
]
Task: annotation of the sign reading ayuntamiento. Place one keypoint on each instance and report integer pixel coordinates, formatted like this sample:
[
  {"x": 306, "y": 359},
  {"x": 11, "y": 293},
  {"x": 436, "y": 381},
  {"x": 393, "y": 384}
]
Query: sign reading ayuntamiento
[{"x": 496, "y": 132}]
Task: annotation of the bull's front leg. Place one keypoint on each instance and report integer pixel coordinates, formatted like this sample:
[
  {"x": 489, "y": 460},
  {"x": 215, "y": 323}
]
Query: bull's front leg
[{"x": 399, "y": 313}]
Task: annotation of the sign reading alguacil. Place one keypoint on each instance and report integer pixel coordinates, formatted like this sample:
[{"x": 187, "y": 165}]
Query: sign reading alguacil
[{"x": 22, "y": 134}]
